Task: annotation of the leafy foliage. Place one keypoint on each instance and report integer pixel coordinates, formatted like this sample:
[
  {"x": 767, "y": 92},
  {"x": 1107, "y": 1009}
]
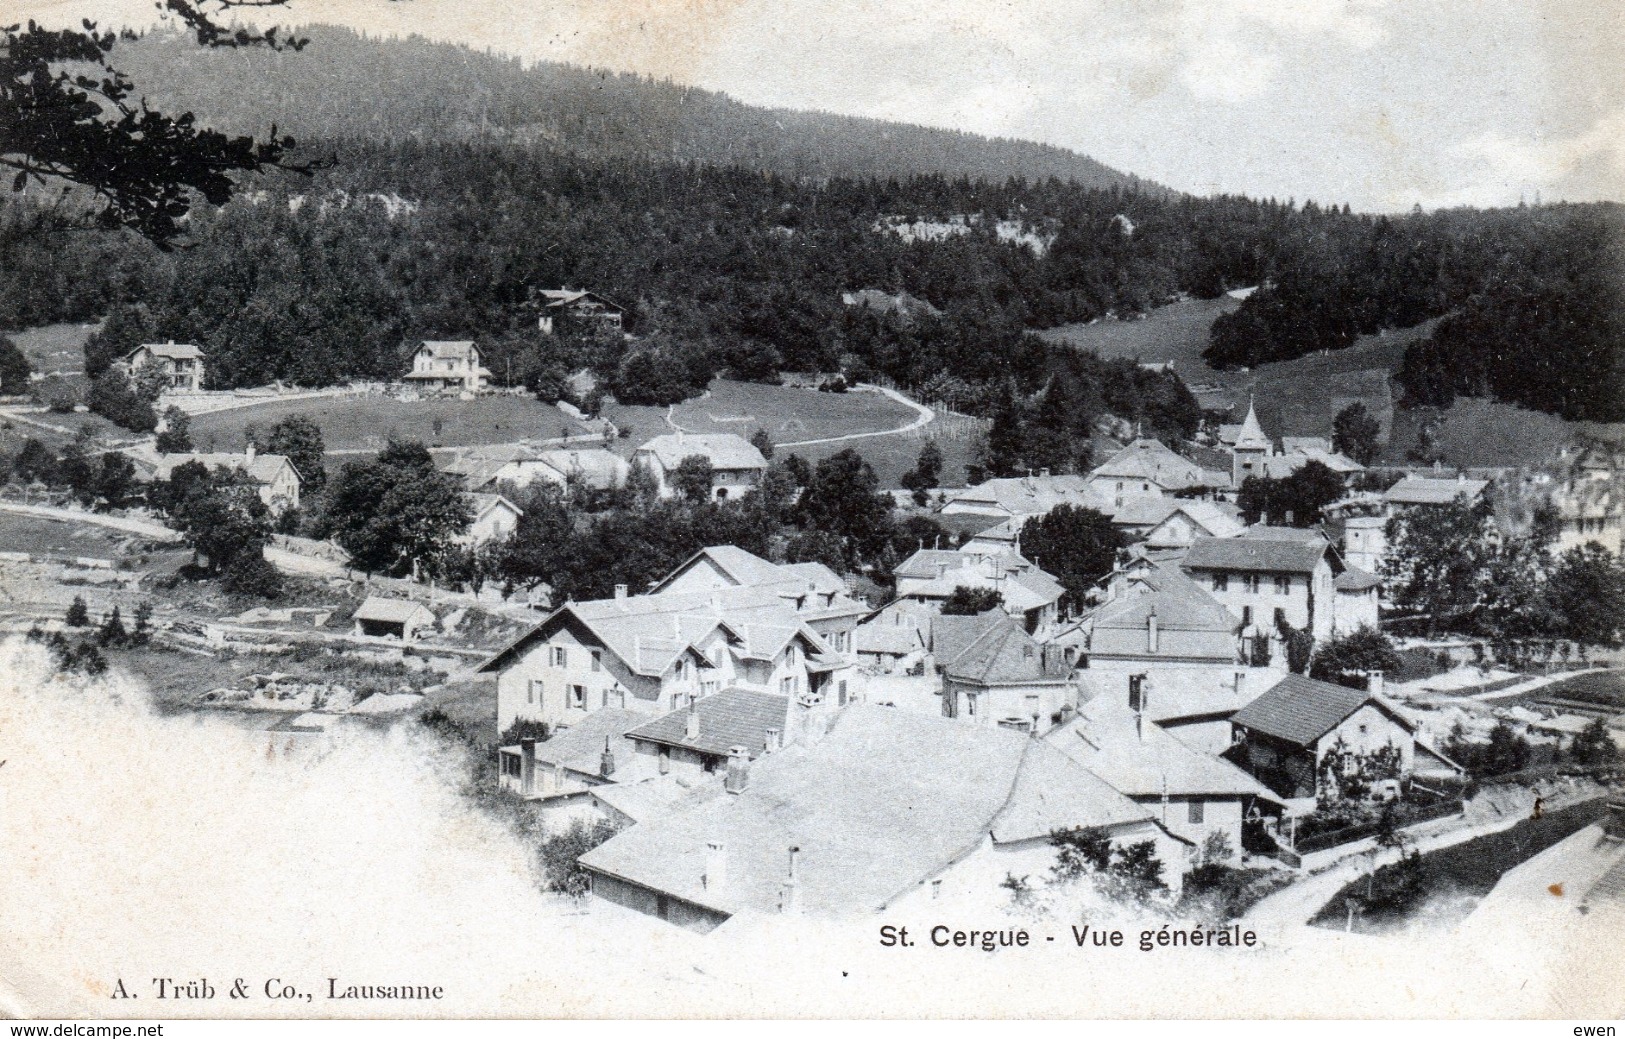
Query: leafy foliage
[
  {"x": 1078, "y": 545},
  {"x": 1355, "y": 432},
  {"x": 558, "y": 853},
  {"x": 968, "y": 602},
  {"x": 1295, "y": 500},
  {"x": 1348, "y": 659},
  {"x": 395, "y": 511}
]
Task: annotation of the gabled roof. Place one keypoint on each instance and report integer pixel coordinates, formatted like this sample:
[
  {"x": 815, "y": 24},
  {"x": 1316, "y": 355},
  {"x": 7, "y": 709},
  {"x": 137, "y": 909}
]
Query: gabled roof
[
  {"x": 484, "y": 503},
  {"x": 172, "y": 350},
  {"x": 392, "y": 611},
  {"x": 1141, "y": 759},
  {"x": 658, "y": 797},
  {"x": 952, "y": 634},
  {"x": 1301, "y": 710},
  {"x": 1261, "y": 549},
  {"x": 450, "y": 349},
  {"x": 1005, "y": 654},
  {"x": 881, "y": 637},
  {"x": 1031, "y": 495},
  {"x": 262, "y": 469},
  {"x": 1356, "y": 580},
  {"x": 1421, "y": 490},
  {"x": 926, "y": 562},
  {"x": 1150, "y": 460},
  {"x": 731, "y": 718},
  {"x": 580, "y": 748},
  {"x": 885, "y": 801},
  {"x": 1177, "y": 608},
  {"x": 559, "y": 299},
  {"x": 600, "y": 469},
  {"x": 739, "y": 566},
  {"x": 725, "y": 450}
]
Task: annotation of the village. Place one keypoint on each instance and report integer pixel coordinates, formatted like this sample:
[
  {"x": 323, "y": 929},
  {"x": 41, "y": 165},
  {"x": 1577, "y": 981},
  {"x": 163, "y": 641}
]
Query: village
[{"x": 1232, "y": 713}]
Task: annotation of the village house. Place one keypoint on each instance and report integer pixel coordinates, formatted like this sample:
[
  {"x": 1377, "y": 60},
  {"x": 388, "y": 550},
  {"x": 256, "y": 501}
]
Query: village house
[
  {"x": 1423, "y": 491},
  {"x": 931, "y": 576},
  {"x": 577, "y": 311},
  {"x": 1150, "y": 631},
  {"x": 448, "y": 366},
  {"x": 1283, "y": 737},
  {"x": 1192, "y": 794},
  {"x": 652, "y": 653},
  {"x": 489, "y": 467},
  {"x": 888, "y": 810},
  {"x": 816, "y": 595},
  {"x": 181, "y": 364},
  {"x": 1174, "y": 523},
  {"x": 274, "y": 478},
  {"x": 1020, "y": 498},
  {"x": 573, "y": 759},
  {"x": 1365, "y": 542},
  {"x": 736, "y": 466},
  {"x": 1006, "y": 678},
  {"x": 1588, "y": 512},
  {"x": 908, "y": 308},
  {"x": 1146, "y": 468},
  {"x": 1271, "y": 575},
  {"x": 890, "y": 646},
  {"x": 401, "y": 619},
  {"x": 701, "y": 738},
  {"x": 495, "y": 517}
]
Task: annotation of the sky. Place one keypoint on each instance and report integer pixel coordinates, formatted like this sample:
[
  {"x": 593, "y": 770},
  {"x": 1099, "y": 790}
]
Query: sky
[{"x": 1382, "y": 104}]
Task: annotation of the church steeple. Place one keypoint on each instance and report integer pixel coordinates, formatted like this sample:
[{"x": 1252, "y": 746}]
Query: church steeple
[
  {"x": 1252, "y": 434},
  {"x": 1251, "y": 448}
]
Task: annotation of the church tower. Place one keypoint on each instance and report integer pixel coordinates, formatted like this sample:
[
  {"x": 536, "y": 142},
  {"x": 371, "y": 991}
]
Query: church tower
[{"x": 1252, "y": 447}]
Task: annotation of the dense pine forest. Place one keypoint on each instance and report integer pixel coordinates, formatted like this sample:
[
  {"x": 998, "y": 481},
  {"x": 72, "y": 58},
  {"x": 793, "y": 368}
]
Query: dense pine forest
[{"x": 731, "y": 247}]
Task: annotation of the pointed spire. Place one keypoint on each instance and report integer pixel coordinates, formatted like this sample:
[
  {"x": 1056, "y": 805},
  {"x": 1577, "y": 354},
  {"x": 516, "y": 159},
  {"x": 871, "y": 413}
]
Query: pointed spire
[{"x": 1252, "y": 434}]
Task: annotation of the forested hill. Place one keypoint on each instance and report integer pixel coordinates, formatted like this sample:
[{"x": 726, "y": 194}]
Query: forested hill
[{"x": 347, "y": 86}]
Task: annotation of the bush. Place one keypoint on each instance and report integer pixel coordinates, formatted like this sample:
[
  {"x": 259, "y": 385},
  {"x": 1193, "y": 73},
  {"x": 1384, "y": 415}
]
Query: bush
[
  {"x": 78, "y": 615},
  {"x": 524, "y": 729},
  {"x": 558, "y": 855},
  {"x": 251, "y": 575}
]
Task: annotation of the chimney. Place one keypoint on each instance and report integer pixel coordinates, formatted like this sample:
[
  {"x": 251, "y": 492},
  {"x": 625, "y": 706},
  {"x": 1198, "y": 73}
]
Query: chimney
[
  {"x": 774, "y": 741},
  {"x": 738, "y": 770},
  {"x": 606, "y": 761},
  {"x": 1151, "y": 632},
  {"x": 1238, "y": 681},
  {"x": 620, "y": 591},
  {"x": 1374, "y": 682},
  {"x": 527, "y": 765},
  {"x": 691, "y": 724},
  {"x": 790, "y": 893},
  {"x": 716, "y": 865}
]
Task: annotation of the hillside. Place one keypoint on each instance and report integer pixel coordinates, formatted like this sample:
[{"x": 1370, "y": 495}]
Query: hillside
[{"x": 347, "y": 86}]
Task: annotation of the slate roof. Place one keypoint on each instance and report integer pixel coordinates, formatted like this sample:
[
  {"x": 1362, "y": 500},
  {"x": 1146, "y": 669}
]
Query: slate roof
[
  {"x": 1143, "y": 760},
  {"x": 558, "y": 299},
  {"x": 450, "y": 349},
  {"x": 1301, "y": 710},
  {"x": 924, "y": 563},
  {"x": 725, "y": 450},
  {"x": 952, "y": 635},
  {"x": 1178, "y": 608},
  {"x": 895, "y": 639},
  {"x": 391, "y": 611},
  {"x": 658, "y": 797},
  {"x": 885, "y": 801},
  {"x": 730, "y": 718},
  {"x": 1264, "y": 549},
  {"x": 1150, "y": 460},
  {"x": 600, "y": 469},
  {"x": 1421, "y": 490},
  {"x": 1005, "y": 654}
]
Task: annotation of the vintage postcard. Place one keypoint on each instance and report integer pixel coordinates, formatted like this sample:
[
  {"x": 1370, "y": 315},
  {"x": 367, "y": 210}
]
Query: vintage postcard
[{"x": 834, "y": 509}]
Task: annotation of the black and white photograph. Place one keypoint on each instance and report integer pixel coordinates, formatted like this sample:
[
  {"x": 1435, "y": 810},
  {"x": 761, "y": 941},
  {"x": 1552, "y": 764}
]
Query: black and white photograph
[{"x": 850, "y": 509}]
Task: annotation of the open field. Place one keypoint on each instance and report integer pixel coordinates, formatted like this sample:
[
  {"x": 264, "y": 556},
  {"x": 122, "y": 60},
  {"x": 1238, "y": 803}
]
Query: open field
[
  {"x": 958, "y": 437},
  {"x": 54, "y": 348},
  {"x": 788, "y": 413},
  {"x": 360, "y": 423},
  {"x": 1476, "y": 431},
  {"x": 1177, "y": 332},
  {"x": 47, "y": 537}
]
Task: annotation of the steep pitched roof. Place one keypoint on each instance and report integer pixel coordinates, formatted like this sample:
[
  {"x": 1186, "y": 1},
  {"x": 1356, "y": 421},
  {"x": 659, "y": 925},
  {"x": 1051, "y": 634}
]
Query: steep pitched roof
[
  {"x": 451, "y": 349},
  {"x": 1143, "y": 760},
  {"x": 1005, "y": 654},
  {"x": 1421, "y": 490},
  {"x": 172, "y": 350},
  {"x": 1251, "y": 433},
  {"x": 728, "y": 719},
  {"x": 1262, "y": 549},
  {"x": 580, "y": 748},
  {"x": 560, "y": 299},
  {"x": 1301, "y": 710},
  {"x": 1356, "y": 580},
  {"x": 951, "y": 635},
  {"x": 262, "y": 469},
  {"x": 1150, "y": 460},
  {"x": 484, "y": 503},
  {"x": 885, "y": 801},
  {"x": 724, "y": 450},
  {"x": 1031, "y": 495}
]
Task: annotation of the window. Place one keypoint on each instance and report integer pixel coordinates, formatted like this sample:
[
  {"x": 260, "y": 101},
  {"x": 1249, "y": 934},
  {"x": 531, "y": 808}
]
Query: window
[
  {"x": 1198, "y": 811},
  {"x": 1283, "y": 584},
  {"x": 1364, "y": 729},
  {"x": 1280, "y": 617},
  {"x": 787, "y": 685},
  {"x": 1252, "y": 583},
  {"x": 665, "y": 760},
  {"x": 841, "y": 692},
  {"x": 578, "y": 697},
  {"x": 790, "y": 655},
  {"x": 560, "y": 656},
  {"x": 597, "y": 660},
  {"x": 970, "y": 705},
  {"x": 708, "y": 687},
  {"x": 1246, "y": 615},
  {"x": 511, "y": 765},
  {"x": 1221, "y": 582},
  {"x": 534, "y": 691}
]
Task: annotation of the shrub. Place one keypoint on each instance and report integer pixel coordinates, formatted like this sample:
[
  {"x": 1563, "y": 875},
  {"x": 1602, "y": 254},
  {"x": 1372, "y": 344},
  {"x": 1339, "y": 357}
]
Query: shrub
[
  {"x": 558, "y": 855},
  {"x": 78, "y": 615},
  {"x": 250, "y": 574}
]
